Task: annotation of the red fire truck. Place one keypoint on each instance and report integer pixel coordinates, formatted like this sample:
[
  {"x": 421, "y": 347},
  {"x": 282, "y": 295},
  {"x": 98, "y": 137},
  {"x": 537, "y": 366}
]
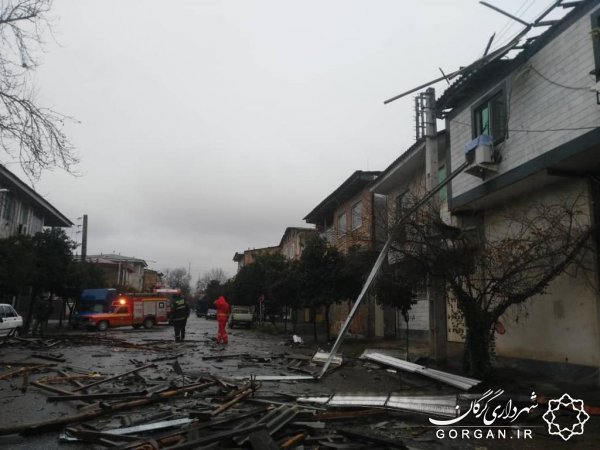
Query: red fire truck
[{"x": 133, "y": 310}]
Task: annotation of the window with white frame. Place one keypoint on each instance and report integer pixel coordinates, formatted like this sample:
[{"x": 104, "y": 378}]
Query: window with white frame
[
  {"x": 357, "y": 211},
  {"x": 342, "y": 225}
]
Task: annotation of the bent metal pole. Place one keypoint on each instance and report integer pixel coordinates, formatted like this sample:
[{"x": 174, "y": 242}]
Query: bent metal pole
[{"x": 379, "y": 261}]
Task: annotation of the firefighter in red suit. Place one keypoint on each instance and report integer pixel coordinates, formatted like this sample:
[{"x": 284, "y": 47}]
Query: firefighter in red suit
[{"x": 222, "y": 308}]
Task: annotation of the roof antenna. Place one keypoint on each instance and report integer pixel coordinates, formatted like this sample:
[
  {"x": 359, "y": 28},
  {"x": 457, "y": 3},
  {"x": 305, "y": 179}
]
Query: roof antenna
[
  {"x": 445, "y": 76},
  {"x": 489, "y": 44},
  {"x": 495, "y": 8}
]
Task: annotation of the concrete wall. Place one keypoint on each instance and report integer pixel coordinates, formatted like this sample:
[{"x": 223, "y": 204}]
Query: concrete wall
[
  {"x": 536, "y": 104},
  {"x": 563, "y": 324}
]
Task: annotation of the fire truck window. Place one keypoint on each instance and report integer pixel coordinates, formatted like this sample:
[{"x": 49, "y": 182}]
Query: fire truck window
[{"x": 122, "y": 310}]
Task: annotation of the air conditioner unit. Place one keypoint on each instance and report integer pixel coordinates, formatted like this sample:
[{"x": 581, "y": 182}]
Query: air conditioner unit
[{"x": 479, "y": 153}]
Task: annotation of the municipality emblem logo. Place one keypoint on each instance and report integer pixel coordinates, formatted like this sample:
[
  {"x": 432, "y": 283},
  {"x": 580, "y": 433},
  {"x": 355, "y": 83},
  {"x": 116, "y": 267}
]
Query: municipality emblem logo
[{"x": 570, "y": 403}]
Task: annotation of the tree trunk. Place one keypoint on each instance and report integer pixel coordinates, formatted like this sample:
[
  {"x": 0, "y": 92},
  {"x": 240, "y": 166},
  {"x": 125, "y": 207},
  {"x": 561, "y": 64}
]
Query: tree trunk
[
  {"x": 314, "y": 320},
  {"x": 478, "y": 345},
  {"x": 32, "y": 303},
  {"x": 294, "y": 320},
  {"x": 61, "y": 316},
  {"x": 327, "y": 325},
  {"x": 285, "y": 319}
]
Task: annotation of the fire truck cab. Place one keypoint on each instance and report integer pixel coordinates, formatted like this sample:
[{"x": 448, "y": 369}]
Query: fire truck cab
[{"x": 134, "y": 310}]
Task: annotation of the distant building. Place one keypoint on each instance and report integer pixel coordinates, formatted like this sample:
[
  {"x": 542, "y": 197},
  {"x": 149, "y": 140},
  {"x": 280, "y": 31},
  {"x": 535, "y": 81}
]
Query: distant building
[
  {"x": 249, "y": 256},
  {"x": 345, "y": 217},
  {"x": 152, "y": 279},
  {"x": 24, "y": 211},
  {"x": 121, "y": 270},
  {"x": 293, "y": 240}
]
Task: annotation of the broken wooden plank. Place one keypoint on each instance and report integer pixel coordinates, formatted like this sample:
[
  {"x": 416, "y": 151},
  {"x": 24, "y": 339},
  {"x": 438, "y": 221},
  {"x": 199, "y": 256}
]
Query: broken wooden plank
[
  {"x": 233, "y": 401},
  {"x": 218, "y": 437},
  {"x": 22, "y": 370},
  {"x": 54, "y": 424},
  {"x": 293, "y": 440},
  {"x": 103, "y": 396},
  {"x": 87, "y": 386},
  {"x": 48, "y": 357}
]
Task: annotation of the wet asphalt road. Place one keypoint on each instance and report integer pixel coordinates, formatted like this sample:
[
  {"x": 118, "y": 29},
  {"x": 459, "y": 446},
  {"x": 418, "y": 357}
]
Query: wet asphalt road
[{"x": 267, "y": 349}]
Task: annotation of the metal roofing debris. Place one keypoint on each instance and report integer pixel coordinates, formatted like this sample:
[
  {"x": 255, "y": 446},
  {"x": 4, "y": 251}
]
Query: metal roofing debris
[
  {"x": 322, "y": 357},
  {"x": 362, "y": 400},
  {"x": 458, "y": 381},
  {"x": 444, "y": 405},
  {"x": 275, "y": 377},
  {"x": 440, "y": 405}
]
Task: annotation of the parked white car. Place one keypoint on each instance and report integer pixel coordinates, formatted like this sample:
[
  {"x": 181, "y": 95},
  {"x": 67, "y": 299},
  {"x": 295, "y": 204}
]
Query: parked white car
[{"x": 9, "y": 319}]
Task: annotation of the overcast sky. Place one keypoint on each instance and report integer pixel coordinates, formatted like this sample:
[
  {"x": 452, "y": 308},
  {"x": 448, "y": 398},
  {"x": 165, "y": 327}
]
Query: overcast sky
[{"x": 209, "y": 126}]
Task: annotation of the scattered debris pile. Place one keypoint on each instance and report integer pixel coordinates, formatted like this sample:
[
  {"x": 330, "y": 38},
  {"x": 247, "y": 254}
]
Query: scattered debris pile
[{"x": 132, "y": 410}]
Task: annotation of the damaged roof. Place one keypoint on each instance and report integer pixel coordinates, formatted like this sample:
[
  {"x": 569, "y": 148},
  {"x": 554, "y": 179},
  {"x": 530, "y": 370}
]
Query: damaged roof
[{"x": 494, "y": 67}]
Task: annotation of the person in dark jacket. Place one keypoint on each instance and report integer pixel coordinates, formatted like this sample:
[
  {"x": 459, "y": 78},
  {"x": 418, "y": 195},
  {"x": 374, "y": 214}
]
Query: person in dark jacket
[
  {"x": 179, "y": 315},
  {"x": 43, "y": 311}
]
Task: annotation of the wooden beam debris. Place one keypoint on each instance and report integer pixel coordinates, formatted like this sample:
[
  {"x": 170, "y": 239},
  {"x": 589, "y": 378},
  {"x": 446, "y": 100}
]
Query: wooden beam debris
[
  {"x": 103, "y": 396},
  {"x": 87, "y": 386},
  {"x": 54, "y": 424},
  {"x": 23, "y": 370}
]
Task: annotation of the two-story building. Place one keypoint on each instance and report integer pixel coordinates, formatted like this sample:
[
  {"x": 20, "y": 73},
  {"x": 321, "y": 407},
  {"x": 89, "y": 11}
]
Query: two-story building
[
  {"x": 541, "y": 108},
  {"x": 24, "y": 211},
  {"x": 293, "y": 240},
  {"x": 398, "y": 186},
  {"x": 249, "y": 256},
  {"x": 345, "y": 218},
  {"x": 121, "y": 270}
]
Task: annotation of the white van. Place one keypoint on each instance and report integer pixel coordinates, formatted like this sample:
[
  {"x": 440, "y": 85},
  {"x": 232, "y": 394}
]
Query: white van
[{"x": 9, "y": 319}]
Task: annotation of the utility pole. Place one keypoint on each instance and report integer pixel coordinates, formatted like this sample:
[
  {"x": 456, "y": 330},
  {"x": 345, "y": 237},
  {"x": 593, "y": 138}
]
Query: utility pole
[
  {"x": 84, "y": 237},
  {"x": 435, "y": 290}
]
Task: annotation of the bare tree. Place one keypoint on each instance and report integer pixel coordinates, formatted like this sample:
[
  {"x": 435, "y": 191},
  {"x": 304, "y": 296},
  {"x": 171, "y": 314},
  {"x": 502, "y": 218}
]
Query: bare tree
[
  {"x": 490, "y": 268},
  {"x": 179, "y": 278},
  {"x": 28, "y": 132},
  {"x": 214, "y": 274}
]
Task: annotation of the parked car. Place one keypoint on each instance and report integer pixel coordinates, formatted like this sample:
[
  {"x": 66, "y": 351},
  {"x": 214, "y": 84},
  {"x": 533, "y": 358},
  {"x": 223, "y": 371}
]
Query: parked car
[
  {"x": 241, "y": 315},
  {"x": 211, "y": 314},
  {"x": 9, "y": 320}
]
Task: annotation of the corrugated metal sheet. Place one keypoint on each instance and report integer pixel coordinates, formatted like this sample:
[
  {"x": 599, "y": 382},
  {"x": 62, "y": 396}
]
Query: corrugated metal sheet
[
  {"x": 458, "y": 381},
  {"x": 275, "y": 377},
  {"x": 440, "y": 406},
  {"x": 321, "y": 357}
]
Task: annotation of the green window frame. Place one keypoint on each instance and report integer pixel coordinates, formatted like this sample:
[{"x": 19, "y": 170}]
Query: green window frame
[{"x": 490, "y": 117}]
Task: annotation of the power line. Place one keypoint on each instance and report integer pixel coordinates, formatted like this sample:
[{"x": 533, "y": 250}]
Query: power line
[{"x": 541, "y": 75}]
